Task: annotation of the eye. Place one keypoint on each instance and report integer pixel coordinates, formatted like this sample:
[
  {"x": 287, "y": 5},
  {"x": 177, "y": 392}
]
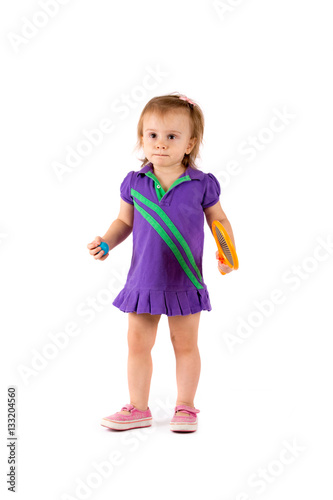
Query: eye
[
  {"x": 172, "y": 135},
  {"x": 152, "y": 133}
]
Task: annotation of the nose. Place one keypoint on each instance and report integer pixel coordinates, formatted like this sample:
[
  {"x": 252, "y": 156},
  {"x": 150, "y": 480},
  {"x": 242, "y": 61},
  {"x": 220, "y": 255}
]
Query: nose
[{"x": 160, "y": 145}]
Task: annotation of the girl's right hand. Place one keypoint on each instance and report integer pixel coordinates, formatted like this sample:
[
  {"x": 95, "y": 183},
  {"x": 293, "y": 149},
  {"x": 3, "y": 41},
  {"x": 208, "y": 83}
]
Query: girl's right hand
[
  {"x": 95, "y": 249},
  {"x": 222, "y": 267}
]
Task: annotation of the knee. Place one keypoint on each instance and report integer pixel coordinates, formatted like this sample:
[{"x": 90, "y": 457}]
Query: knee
[
  {"x": 184, "y": 332},
  {"x": 182, "y": 344},
  {"x": 141, "y": 342},
  {"x": 142, "y": 330}
]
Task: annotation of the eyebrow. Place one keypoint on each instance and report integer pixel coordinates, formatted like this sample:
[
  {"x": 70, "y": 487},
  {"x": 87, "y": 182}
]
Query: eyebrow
[{"x": 153, "y": 130}]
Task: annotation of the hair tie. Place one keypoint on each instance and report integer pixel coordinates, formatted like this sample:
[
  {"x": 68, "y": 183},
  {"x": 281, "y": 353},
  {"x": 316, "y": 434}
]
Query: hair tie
[{"x": 184, "y": 98}]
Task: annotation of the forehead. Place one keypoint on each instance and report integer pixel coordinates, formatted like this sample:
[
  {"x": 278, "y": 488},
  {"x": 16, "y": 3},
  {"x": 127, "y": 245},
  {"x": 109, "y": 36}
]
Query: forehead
[{"x": 172, "y": 120}]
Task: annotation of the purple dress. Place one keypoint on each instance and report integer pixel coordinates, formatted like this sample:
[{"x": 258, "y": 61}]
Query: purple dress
[{"x": 165, "y": 276}]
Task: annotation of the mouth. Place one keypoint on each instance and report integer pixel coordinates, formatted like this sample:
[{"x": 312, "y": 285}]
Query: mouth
[{"x": 160, "y": 155}]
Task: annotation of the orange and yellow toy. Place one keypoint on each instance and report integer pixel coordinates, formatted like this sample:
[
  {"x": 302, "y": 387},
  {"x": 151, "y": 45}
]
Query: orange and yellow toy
[{"x": 227, "y": 252}]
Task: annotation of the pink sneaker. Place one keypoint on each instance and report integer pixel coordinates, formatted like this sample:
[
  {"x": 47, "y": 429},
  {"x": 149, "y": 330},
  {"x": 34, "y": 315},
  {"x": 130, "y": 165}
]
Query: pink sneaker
[
  {"x": 185, "y": 423},
  {"x": 120, "y": 421}
]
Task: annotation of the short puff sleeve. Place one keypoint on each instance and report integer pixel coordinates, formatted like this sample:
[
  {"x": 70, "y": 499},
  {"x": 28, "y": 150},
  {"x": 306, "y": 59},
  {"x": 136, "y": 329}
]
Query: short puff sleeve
[
  {"x": 212, "y": 191},
  {"x": 125, "y": 188}
]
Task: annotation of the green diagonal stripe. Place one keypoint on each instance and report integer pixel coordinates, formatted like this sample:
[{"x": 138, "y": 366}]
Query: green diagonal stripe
[
  {"x": 169, "y": 242},
  {"x": 170, "y": 225}
]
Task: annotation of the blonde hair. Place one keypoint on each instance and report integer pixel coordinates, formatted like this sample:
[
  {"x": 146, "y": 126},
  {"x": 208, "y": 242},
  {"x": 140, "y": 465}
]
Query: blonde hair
[{"x": 163, "y": 105}]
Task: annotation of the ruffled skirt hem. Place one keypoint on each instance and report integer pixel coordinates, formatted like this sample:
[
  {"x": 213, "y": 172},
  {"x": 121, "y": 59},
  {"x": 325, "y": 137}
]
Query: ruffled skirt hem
[{"x": 171, "y": 303}]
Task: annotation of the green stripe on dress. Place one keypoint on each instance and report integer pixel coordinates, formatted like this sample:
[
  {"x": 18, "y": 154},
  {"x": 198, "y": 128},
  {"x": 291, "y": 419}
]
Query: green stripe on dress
[
  {"x": 164, "y": 235},
  {"x": 170, "y": 225}
]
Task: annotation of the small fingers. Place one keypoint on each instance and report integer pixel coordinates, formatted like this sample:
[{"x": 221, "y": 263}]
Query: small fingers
[
  {"x": 224, "y": 268},
  {"x": 98, "y": 253},
  {"x": 94, "y": 251},
  {"x": 97, "y": 241}
]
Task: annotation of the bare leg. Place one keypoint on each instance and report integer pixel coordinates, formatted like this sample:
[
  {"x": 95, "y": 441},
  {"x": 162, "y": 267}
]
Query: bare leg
[
  {"x": 142, "y": 329},
  {"x": 184, "y": 337}
]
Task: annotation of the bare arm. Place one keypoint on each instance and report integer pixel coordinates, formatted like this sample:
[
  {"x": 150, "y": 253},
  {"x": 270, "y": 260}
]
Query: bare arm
[
  {"x": 122, "y": 227},
  {"x": 119, "y": 230},
  {"x": 216, "y": 213}
]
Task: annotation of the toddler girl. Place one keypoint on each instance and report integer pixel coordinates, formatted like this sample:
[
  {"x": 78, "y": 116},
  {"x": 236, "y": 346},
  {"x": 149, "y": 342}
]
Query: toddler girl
[{"x": 164, "y": 204}]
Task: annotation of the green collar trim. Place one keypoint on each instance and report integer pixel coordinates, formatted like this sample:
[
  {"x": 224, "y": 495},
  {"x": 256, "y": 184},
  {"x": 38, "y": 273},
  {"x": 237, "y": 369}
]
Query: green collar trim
[{"x": 158, "y": 188}]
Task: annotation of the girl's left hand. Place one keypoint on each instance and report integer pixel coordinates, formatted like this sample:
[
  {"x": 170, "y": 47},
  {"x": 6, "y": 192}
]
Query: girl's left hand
[{"x": 223, "y": 267}]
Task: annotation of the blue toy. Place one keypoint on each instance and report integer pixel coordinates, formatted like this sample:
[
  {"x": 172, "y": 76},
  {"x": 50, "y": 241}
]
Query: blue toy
[{"x": 105, "y": 247}]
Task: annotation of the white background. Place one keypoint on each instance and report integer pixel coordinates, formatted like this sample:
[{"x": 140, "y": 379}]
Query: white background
[{"x": 273, "y": 386}]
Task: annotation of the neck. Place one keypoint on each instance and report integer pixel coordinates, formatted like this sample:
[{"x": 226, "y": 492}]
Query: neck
[{"x": 170, "y": 171}]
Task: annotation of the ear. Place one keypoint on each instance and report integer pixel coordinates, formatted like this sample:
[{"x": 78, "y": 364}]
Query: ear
[{"x": 191, "y": 144}]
